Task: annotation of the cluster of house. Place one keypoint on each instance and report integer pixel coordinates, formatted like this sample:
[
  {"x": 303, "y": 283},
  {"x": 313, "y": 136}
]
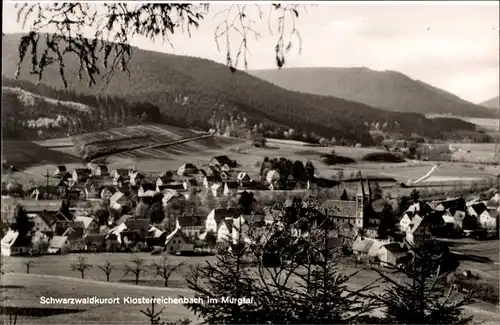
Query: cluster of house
[
  {"x": 423, "y": 220},
  {"x": 357, "y": 225}
]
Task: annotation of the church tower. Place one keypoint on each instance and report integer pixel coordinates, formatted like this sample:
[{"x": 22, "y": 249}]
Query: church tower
[{"x": 360, "y": 205}]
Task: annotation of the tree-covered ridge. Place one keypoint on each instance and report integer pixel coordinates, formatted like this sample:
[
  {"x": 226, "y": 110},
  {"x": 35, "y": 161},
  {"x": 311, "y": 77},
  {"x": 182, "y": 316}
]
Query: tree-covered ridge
[{"x": 188, "y": 89}]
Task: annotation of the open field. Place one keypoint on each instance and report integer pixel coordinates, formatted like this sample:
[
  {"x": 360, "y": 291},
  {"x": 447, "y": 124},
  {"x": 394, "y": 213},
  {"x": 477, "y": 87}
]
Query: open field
[
  {"x": 479, "y": 152},
  {"x": 24, "y": 292},
  {"x": 199, "y": 152},
  {"x": 51, "y": 277},
  {"x": 165, "y": 132},
  {"x": 23, "y": 154}
]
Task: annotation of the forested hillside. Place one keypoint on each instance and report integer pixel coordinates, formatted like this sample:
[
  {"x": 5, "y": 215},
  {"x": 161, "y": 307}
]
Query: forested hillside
[
  {"x": 187, "y": 90},
  {"x": 35, "y": 112},
  {"x": 389, "y": 90}
]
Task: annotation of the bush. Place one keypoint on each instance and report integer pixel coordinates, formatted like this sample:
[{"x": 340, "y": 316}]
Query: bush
[
  {"x": 386, "y": 157},
  {"x": 332, "y": 159}
]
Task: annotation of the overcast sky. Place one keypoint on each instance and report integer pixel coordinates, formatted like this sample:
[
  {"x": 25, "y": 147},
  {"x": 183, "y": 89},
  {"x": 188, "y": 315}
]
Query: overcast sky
[{"x": 453, "y": 46}]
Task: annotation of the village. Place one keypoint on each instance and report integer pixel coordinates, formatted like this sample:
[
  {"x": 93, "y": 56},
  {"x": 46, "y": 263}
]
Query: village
[{"x": 196, "y": 210}]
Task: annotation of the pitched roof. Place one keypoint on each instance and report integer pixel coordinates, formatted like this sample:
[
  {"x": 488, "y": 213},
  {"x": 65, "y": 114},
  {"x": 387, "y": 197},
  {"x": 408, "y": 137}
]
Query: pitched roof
[
  {"x": 85, "y": 220},
  {"x": 190, "y": 221},
  {"x": 177, "y": 232},
  {"x": 396, "y": 249},
  {"x": 479, "y": 208},
  {"x": 83, "y": 171},
  {"x": 61, "y": 168},
  {"x": 221, "y": 214},
  {"x": 58, "y": 241},
  {"x": 213, "y": 178},
  {"x": 41, "y": 205},
  {"x": 10, "y": 238},
  {"x": 363, "y": 245},
  {"x": 228, "y": 223},
  {"x": 172, "y": 186},
  {"x": 138, "y": 224},
  {"x": 116, "y": 196},
  {"x": 103, "y": 168},
  {"x": 95, "y": 238},
  {"x": 340, "y": 208},
  {"x": 231, "y": 185},
  {"x": 121, "y": 171},
  {"x": 123, "y": 219},
  {"x": 75, "y": 231}
]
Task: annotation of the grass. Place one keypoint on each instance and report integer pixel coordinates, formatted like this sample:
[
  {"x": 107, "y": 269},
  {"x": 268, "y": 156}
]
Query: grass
[
  {"x": 60, "y": 265},
  {"x": 23, "y": 154},
  {"x": 51, "y": 277},
  {"x": 25, "y": 291},
  {"x": 479, "y": 152}
]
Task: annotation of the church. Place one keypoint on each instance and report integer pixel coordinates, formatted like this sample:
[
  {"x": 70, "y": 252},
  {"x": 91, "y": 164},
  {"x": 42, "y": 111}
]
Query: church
[{"x": 362, "y": 213}]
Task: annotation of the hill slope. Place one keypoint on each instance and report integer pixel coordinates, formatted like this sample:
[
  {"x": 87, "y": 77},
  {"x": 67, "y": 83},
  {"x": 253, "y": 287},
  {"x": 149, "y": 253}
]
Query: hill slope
[
  {"x": 38, "y": 112},
  {"x": 189, "y": 89},
  {"x": 493, "y": 103},
  {"x": 385, "y": 89}
]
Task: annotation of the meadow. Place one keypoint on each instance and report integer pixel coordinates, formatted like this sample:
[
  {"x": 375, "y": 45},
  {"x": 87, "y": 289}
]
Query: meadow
[
  {"x": 50, "y": 276},
  {"x": 199, "y": 151}
]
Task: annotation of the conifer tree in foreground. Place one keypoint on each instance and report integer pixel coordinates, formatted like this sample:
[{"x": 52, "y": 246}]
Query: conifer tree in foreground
[
  {"x": 423, "y": 297},
  {"x": 302, "y": 286}
]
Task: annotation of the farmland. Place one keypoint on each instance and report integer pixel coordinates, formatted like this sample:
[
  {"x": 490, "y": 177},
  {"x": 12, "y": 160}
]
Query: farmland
[
  {"x": 474, "y": 152},
  {"x": 199, "y": 152}
]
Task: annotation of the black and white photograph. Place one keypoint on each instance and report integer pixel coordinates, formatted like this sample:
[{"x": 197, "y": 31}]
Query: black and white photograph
[{"x": 250, "y": 162}]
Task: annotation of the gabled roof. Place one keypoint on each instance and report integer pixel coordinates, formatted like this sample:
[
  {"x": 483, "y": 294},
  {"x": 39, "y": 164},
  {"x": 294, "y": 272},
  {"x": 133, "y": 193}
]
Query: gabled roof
[
  {"x": 415, "y": 223},
  {"x": 221, "y": 214},
  {"x": 155, "y": 232},
  {"x": 396, "y": 249},
  {"x": 95, "y": 238},
  {"x": 164, "y": 179},
  {"x": 479, "y": 208},
  {"x": 147, "y": 186},
  {"x": 190, "y": 221},
  {"x": 213, "y": 178},
  {"x": 228, "y": 223},
  {"x": 172, "y": 186},
  {"x": 231, "y": 185},
  {"x": 103, "y": 168},
  {"x": 10, "y": 238},
  {"x": 221, "y": 159},
  {"x": 41, "y": 205},
  {"x": 123, "y": 219},
  {"x": 58, "y": 242},
  {"x": 363, "y": 245},
  {"x": 253, "y": 218},
  {"x": 178, "y": 232},
  {"x": 61, "y": 168},
  {"x": 138, "y": 224},
  {"x": 339, "y": 208},
  {"x": 85, "y": 220},
  {"x": 76, "y": 230},
  {"x": 83, "y": 171}
]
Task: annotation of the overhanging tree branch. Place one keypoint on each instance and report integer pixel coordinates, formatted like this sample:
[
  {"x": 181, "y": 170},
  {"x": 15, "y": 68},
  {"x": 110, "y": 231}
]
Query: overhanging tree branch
[{"x": 100, "y": 34}]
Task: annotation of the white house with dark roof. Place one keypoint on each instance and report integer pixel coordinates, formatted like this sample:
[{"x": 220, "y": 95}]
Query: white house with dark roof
[
  {"x": 225, "y": 231},
  {"x": 177, "y": 243},
  {"x": 81, "y": 174},
  {"x": 101, "y": 171},
  {"x": 215, "y": 217}
]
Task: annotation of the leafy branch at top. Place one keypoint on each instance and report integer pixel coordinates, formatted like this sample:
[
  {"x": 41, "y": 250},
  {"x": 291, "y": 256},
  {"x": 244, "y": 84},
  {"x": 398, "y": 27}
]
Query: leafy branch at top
[{"x": 113, "y": 25}]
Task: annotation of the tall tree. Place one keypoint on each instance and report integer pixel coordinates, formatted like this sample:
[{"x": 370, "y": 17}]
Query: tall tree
[
  {"x": 377, "y": 192},
  {"x": 422, "y": 299},
  {"x": 310, "y": 170},
  {"x": 22, "y": 223}
]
